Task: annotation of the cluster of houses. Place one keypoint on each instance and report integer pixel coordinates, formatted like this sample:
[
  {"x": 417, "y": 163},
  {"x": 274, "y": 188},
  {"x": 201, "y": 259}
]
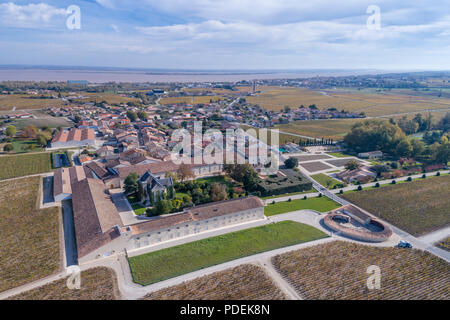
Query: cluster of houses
[{"x": 99, "y": 228}]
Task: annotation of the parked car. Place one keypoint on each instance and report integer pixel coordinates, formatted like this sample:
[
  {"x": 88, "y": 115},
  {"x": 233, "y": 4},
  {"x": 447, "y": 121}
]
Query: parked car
[{"x": 404, "y": 244}]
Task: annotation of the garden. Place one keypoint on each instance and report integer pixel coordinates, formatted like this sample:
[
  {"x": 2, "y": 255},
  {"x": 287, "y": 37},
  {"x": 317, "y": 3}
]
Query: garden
[{"x": 292, "y": 182}]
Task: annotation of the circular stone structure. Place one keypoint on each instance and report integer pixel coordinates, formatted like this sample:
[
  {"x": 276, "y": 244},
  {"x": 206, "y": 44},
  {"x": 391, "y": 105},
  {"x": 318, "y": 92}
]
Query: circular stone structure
[{"x": 353, "y": 223}]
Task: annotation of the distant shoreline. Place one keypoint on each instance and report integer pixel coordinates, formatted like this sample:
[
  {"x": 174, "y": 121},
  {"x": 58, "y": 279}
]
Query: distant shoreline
[{"x": 102, "y": 75}]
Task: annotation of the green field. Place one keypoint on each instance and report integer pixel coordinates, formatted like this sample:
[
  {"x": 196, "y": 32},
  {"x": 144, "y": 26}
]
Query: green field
[
  {"x": 23, "y": 165},
  {"x": 417, "y": 207},
  {"x": 321, "y": 204},
  {"x": 168, "y": 263},
  {"x": 323, "y": 179},
  {"x": 288, "y": 194},
  {"x": 339, "y": 154}
]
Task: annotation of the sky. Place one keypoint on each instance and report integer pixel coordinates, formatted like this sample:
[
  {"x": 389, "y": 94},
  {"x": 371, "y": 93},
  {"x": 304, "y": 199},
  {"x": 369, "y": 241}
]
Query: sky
[{"x": 229, "y": 34}]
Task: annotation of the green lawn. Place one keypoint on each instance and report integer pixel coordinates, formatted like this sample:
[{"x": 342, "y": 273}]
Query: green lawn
[
  {"x": 288, "y": 194},
  {"x": 323, "y": 178},
  {"x": 138, "y": 209},
  {"x": 322, "y": 204},
  {"x": 22, "y": 146},
  {"x": 13, "y": 166},
  {"x": 339, "y": 154},
  {"x": 171, "y": 262},
  {"x": 219, "y": 179}
]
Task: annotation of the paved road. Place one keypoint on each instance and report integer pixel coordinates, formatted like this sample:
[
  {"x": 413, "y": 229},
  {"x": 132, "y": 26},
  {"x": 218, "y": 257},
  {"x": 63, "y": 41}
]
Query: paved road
[
  {"x": 126, "y": 212},
  {"x": 70, "y": 243},
  {"x": 435, "y": 236},
  {"x": 387, "y": 181}
]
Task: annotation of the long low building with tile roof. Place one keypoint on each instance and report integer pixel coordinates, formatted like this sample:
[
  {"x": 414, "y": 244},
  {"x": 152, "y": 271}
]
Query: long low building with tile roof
[
  {"x": 73, "y": 138},
  {"x": 96, "y": 219},
  {"x": 99, "y": 231}
]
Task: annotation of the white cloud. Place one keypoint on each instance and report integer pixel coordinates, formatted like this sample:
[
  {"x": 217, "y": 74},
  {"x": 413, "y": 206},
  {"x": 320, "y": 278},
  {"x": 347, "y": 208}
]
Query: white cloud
[
  {"x": 115, "y": 27},
  {"x": 29, "y": 16},
  {"x": 106, "y": 3},
  {"x": 284, "y": 36}
]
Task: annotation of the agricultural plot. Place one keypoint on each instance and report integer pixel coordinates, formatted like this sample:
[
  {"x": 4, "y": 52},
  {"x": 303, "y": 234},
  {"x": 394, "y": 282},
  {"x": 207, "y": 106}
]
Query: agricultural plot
[
  {"x": 109, "y": 97},
  {"x": 189, "y": 257},
  {"x": 321, "y": 204},
  {"x": 372, "y": 103},
  {"x": 315, "y": 166},
  {"x": 24, "y": 101},
  {"x": 29, "y": 238},
  {"x": 283, "y": 138},
  {"x": 417, "y": 207},
  {"x": 190, "y": 99},
  {"x": 338, "y": 271},
  {"x": 334, "y": 129},
  {"x": 96, "y": 284},
  {"x": 245, "y": 282},
  {"x": 23, "y": 165},
  {"x": 51, "y": 122}
]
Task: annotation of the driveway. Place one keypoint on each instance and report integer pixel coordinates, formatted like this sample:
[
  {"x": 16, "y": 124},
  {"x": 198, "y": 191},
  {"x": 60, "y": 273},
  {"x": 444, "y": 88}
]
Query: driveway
[
  {"x": 70, "y": 242},
  {"x": 126, "y": 212}
]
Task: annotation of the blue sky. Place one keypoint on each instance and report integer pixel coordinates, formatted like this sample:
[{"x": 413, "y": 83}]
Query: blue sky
[{"x": 228, "y": 34}]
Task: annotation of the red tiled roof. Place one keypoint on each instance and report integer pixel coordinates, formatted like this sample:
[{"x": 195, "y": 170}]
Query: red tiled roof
[
  {"x": 95, "y": 215},
  {"x": 74, "y": 134},
  {"x": 198, "y": 213}
]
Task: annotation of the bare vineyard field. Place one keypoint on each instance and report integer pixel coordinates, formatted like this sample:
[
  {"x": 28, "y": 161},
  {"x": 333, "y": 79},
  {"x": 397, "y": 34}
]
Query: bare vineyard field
[
  {"x": 338, "y": 271},
  {"x": 245, "y": 282},
  {"x": 109, "y": 97},
  {"x": 372, "y": 103},
  {"x": 190, "y": 99},
  {"x": 29, "y": 238},
  {"x": 96, "y": 284},
  {"x": 24, "y": 101},
  {"x": 417, "y": 207},
  {"x": 283, "y": 138},
  {"x": 334, "y": 129}
]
